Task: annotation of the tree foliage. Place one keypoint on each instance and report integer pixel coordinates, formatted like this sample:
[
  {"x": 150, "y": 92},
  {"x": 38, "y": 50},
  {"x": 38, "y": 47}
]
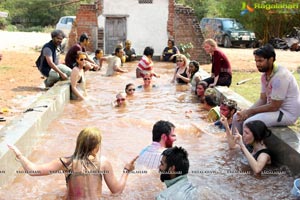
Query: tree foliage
[
  {"x": 29, "y": 13},
  {"x": 266, "y": 23}
]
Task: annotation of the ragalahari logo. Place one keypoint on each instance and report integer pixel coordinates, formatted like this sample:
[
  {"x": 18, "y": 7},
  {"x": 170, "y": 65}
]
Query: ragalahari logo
[{"x": 246, "y": 8}]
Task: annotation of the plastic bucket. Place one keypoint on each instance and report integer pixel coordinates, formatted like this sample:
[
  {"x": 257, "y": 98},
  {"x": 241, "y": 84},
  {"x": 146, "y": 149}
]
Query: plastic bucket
[{"x": 296, "y": 189}]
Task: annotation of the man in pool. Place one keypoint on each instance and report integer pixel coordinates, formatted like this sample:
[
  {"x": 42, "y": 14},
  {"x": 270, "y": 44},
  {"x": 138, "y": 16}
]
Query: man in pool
[
  {"x": 163, "y": 137},
  {"x": 174, "y": 167},
  {"x": 115, "y": 63}
]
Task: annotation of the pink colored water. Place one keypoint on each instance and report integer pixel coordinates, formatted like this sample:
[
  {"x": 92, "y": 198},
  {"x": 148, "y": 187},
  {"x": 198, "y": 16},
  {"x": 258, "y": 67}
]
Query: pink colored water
[{"x": 217, "y": 172}]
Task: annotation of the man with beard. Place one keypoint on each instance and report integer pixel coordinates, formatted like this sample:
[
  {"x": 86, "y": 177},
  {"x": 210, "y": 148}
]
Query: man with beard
[
  {"x": 48, "y": 61},
  {"x": 279, "y": 100},
  {"x": 174, "y": 167},
  {"x": 163, "y": 137}
]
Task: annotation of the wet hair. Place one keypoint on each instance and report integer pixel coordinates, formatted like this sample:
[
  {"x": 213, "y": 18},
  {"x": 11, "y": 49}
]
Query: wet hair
[
  {"x": 149, "y": 51},
  {"x": 259, "y": 130},
  {"x": 98, "y": 51},
  {"x": 161, "y": 127},
  {"x": 56, "y": 33},
  {"x": 87, "y": 141},
  {"x": 266, "y": 51},
  {"x": 178, "y": 157},
  {"x": 211, "y": 100},
  {"x": 117, "y": 50},
  {"x": 128, "y": 85},
  {"x": 196, "y": 65},
  {"x": 172, "y": 41},
  {"x": 83, "y": 37},
  {"x": 204, "y": 85},
  {"x": 211, "y": 42}
]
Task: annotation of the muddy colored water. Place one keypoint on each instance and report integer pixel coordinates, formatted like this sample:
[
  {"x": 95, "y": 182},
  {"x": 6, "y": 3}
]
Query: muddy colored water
[{"x": 217, "y": 172}]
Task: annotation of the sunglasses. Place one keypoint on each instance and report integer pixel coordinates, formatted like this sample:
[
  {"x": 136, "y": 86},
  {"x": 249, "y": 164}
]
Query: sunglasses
[
  {"x": 179, "y": 60},
  {"x": 147, "y": 79},
  {"x": 118, "y": 100},
  {"x": 131, "y": 89},
  {"x": 82, "y": 59}
]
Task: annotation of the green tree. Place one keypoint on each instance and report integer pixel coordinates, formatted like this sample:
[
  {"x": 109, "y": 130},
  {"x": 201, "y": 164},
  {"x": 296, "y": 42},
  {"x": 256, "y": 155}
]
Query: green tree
[
  {"x": 265, "y": 23},
  {"x": 29, "y": 13}
]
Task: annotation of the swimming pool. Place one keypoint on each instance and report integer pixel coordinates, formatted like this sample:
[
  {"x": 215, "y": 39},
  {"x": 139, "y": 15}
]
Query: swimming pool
[{"x": 217, "y": 172}]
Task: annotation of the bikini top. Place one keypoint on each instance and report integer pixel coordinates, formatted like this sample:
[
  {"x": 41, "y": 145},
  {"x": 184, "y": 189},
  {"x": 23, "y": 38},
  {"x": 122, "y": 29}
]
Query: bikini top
[
  {"x": 267, "y": 151},
  {"x": 184, "y": 74}
]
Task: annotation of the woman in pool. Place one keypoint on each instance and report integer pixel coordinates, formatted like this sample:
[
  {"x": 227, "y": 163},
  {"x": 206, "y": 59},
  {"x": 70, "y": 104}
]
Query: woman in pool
[
  {"x": 181, "y": 74},
  {"x": 195, "y": 74},
  {"x": 130, "y": 89},
  {"x": 120, "y": 100},
  {"x": 78, "y": 91},
  {"x": 84, "y": 170},
  {"x": 254, "y": 134}
]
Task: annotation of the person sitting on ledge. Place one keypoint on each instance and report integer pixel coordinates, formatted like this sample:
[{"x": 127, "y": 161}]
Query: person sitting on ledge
[
  {"x": 169, "y": 52},
  {"x": 48, "y": 61},
  {"x": 129, "y": 51},
  {"x": 279, "y": 101},
  {"x": 84, "y": 170}
]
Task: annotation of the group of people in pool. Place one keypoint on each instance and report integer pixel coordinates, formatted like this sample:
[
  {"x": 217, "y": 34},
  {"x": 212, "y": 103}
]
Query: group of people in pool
[
  {"x": 221, "y": 113},
  {"x": 250, "y": 140}
]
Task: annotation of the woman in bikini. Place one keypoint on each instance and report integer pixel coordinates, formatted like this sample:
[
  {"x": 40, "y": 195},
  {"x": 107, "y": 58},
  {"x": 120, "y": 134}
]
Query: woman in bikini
[
  {"x": 84, "y": 170},
  {"x": 254, "y": 134}
]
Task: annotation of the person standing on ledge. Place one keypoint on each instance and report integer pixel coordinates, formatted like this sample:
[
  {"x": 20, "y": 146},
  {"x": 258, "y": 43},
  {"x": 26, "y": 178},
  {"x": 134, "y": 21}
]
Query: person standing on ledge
[
  {"x": 279, "y": 100},
  {"x": 221, "y": 69}
]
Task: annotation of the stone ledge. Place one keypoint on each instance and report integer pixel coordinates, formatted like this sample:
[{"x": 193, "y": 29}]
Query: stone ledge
[
  {"x": 25, "y": 130},
  {"x": 284, "y": 143}
]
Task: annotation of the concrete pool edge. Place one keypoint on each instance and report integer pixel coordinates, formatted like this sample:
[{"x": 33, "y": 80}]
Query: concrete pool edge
[{"x": 24, "y": 130}]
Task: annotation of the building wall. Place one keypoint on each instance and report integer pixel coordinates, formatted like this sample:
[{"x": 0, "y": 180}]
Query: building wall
[
  {"x": 146, "y": 23},
  {"x": 187, "y": 29}
]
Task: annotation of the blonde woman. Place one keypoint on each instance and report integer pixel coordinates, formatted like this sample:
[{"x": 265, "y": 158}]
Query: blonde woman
[
  {"x": 182, "y": 74},
  {"x": 84, "y": 170},
  {"x": 221, "y": 69}
]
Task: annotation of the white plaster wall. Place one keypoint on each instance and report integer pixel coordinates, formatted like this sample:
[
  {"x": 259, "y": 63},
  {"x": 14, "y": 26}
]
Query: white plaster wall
[{"x": 146, "y": 23}]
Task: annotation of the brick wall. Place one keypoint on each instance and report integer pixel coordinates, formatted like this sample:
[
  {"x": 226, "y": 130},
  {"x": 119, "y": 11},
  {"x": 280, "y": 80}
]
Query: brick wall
[
  {"x": 86, "y": 21},
  {"x": 182, "y": 17},
  {"x": 188, "y": 30}
]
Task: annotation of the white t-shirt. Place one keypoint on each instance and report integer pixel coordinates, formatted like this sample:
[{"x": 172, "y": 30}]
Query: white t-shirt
[{"x": 282, "y": 86}]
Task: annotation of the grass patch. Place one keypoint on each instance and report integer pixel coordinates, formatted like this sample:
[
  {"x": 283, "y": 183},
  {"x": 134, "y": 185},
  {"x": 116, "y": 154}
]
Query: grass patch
[
  {"x": 5, "y": 68},
  {"x": 251, "y": 88}
]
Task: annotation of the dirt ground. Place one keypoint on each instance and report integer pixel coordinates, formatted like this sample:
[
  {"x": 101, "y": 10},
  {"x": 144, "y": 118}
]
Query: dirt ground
[{"x": 21, "y": 82}]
